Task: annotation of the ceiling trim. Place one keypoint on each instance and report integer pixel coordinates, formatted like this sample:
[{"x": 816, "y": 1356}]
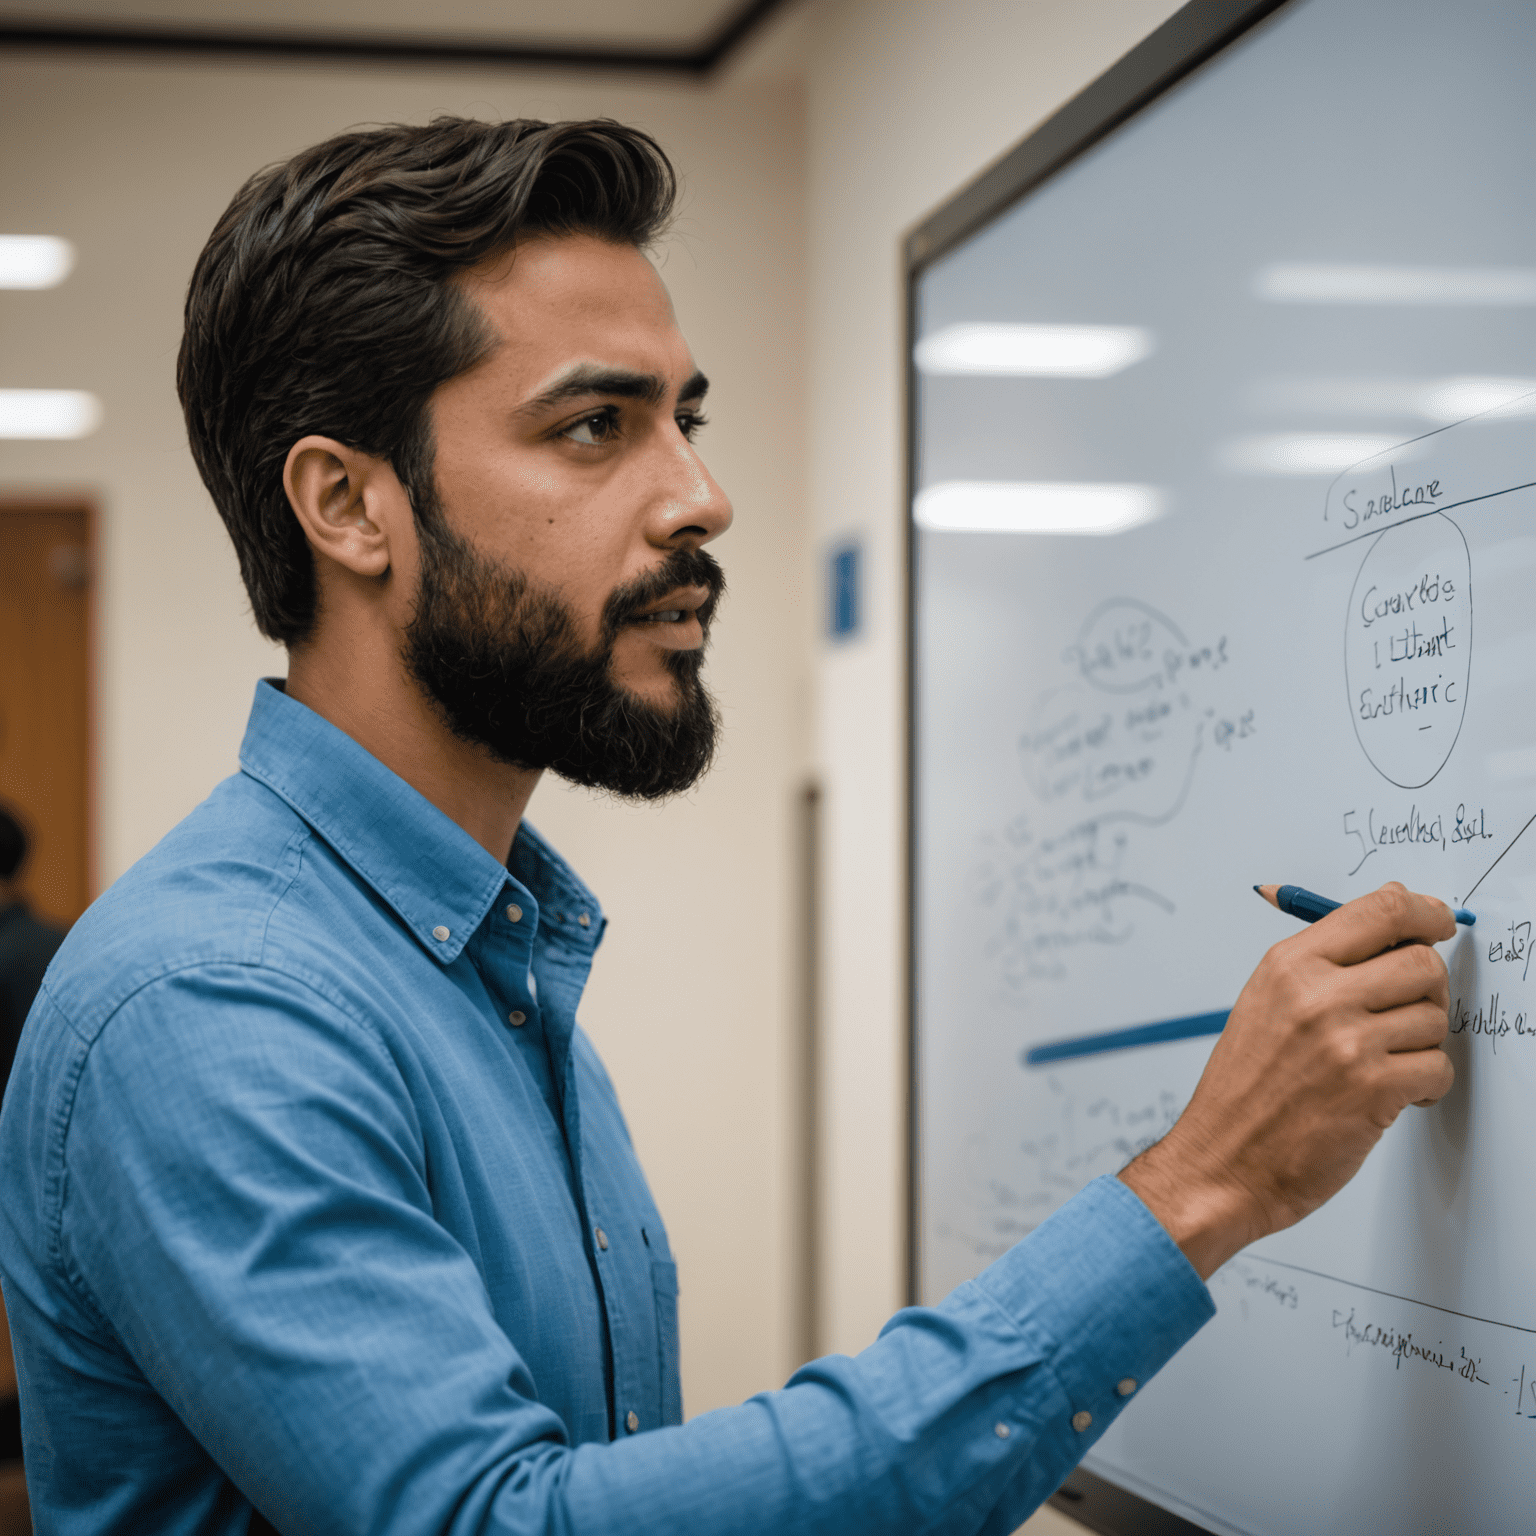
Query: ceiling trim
[{"x": 364, "y": 48}]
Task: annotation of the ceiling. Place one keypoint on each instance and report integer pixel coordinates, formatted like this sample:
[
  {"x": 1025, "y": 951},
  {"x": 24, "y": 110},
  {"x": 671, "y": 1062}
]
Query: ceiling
[{"x": 684, "y": 33}]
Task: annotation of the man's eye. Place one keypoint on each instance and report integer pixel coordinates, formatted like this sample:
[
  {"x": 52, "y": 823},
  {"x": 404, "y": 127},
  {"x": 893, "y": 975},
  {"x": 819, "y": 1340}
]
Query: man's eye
[
  {"x": 593, "y": 430},
  {"x": 689, "y": 422}
]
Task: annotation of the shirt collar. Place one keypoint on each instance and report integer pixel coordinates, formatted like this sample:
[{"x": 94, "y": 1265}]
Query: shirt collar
[
  {"x": 567, "y": 908},
  {"x": 434, "y": 875}
]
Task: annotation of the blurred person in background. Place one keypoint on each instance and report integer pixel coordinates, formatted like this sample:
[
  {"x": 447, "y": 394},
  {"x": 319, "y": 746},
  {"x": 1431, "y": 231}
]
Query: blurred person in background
[
  {"x": 321, "y": 1213},
  {"x": 26, "y": 946},
  {"x": 27, "y": 943}
]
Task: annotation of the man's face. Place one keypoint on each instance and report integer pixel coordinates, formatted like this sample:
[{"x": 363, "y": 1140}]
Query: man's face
[{"x": 562, "y": 610}]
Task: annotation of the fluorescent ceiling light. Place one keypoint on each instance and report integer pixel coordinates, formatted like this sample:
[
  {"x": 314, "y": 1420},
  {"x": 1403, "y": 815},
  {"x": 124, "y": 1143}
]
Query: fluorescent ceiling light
[
  {"x": 995, "y": 506},
  {"x": 1302, "y": 453},
  {"x": 1303, "y": 282},
  {"x": 48, "y": 413},
  {"x": 1456, "y": 399},
  {"x": 34, "y": 261},
  {"x": 1033, "y": 351}
]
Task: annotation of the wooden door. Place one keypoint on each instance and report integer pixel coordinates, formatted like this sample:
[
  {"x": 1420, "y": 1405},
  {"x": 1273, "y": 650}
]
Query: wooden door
[{"x": 45, "y": 584}]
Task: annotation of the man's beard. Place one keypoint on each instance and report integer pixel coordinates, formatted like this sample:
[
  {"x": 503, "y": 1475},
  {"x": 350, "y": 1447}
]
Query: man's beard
[{"x": 503, "y": 662}]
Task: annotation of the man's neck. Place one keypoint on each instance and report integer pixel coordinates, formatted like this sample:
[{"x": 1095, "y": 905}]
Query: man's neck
[{"x": 382, "y": 710}]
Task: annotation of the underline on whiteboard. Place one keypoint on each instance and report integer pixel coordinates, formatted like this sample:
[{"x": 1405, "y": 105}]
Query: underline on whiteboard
[
  {"x": 1413, "y": 1301},
  {"x": 1515, "y": 839},
  {"x": 1433, "y": 512},
  {"x": 1192, "y": 1027}
]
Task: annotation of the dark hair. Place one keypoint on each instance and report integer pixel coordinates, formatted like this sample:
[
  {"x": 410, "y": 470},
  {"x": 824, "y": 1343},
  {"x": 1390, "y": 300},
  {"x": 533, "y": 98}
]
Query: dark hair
[
  {"x": 13, "y": 843},
  {"x": 323, "y": 303}
]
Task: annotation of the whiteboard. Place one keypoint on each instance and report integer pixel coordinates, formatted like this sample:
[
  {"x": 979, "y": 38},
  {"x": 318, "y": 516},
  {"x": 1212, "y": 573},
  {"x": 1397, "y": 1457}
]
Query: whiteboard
[{"x": 1309, "y": 657}]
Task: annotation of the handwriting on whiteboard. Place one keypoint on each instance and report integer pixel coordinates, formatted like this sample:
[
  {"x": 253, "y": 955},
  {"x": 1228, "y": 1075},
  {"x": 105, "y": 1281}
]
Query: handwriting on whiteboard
[
  {"x": 1070, "y": 1145},
  {"x": 1113, "y": 747}
]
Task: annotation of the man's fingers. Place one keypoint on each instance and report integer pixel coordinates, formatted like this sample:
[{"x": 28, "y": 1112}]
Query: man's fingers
[
  {"x": 1415, "y": 1027},
  {"x": 1368, "y": 925},
  {"x": 1400, "y": 976},
  {"x": 1417, "y": 1077}
]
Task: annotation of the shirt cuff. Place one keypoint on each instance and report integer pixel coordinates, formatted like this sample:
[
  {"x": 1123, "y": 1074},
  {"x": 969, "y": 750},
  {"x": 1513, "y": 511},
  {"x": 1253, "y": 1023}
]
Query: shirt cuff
[{"x": 1107, "y": 1293}]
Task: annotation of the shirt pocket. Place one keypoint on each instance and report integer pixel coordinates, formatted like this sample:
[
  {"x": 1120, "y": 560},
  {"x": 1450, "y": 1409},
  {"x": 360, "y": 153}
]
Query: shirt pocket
[{"x": 664, "y": 1285}]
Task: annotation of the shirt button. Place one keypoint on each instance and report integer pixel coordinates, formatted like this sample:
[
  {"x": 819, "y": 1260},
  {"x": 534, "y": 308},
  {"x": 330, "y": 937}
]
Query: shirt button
[
  {"x": 631, "y": 1421},
  {"x": 1081, "y": 1420},
  {"x": 602, "y": 1240},
  {"x": 1001, "y": 1431},
  {"x": 1127, "y": 1386},
  {"x": 517, "y": 1018},
  {"x": 514, "y": 913},
  {"x": 584, "y": 920},
  {"x": 440, "y": 933}
]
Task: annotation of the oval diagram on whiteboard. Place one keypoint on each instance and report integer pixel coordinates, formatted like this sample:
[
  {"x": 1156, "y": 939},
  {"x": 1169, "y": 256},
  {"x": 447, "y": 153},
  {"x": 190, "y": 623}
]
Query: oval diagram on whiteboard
[{"x": 1408, "y": 648}]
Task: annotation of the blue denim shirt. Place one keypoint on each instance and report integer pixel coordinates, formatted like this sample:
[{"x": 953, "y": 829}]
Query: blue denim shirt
[{"x": 312, "y": 1201}]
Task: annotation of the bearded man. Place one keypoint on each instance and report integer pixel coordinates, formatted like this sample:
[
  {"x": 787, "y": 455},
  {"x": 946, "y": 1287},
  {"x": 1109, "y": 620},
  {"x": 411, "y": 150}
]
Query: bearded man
[{"x": 321, "y": 1215}]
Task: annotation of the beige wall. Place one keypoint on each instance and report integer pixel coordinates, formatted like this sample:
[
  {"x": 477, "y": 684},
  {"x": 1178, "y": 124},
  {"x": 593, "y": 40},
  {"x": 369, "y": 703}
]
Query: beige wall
[
  {"x": 692, "y": 1000},
  {"x": 906, "y": 101}
]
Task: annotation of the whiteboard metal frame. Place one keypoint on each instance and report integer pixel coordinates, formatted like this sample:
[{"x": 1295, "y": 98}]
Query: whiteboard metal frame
[{"x": 1189, "y": 38}]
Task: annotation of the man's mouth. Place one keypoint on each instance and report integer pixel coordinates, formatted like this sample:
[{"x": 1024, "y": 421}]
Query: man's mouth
[{"x": 677, "y": 607}]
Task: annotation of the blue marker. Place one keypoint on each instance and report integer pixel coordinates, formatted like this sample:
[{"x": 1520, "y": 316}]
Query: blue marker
[{"x": 1309, "y": 906}]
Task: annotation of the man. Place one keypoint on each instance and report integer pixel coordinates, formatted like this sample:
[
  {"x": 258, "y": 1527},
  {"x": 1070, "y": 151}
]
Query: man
[{"x": 323, "y": 1205}]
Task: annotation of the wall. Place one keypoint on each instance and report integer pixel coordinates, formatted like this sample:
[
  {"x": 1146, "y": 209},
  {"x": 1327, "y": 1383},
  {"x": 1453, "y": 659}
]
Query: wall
[
  {"x": 906, "y": 101},
  {"x": 693, "y": 1000}
]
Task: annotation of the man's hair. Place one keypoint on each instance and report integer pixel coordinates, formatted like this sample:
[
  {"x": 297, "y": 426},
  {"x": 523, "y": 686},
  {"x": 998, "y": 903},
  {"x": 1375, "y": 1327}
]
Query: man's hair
[{"x": 324, "y": 303}]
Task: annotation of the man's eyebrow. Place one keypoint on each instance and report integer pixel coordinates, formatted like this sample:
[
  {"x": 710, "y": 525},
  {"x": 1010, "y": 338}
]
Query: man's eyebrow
[{"x": 587, "y": 379}]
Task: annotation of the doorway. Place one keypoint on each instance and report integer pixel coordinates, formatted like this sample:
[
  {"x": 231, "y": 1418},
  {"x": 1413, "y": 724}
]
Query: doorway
[{"x": 45, "y": 696}]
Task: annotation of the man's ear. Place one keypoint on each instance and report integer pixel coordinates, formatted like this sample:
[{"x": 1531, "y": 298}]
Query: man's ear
[{"x": 347, "y": 503}]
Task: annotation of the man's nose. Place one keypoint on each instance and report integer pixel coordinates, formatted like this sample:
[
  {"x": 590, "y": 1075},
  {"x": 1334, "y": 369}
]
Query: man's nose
[{"x": 688, "y": 508}]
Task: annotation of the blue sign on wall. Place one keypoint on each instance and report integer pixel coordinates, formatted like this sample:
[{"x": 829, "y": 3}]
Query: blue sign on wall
[{"x": 845, "y": 612}]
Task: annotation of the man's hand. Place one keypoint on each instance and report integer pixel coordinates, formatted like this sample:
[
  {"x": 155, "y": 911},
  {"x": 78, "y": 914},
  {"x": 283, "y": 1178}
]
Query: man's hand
[{"x": 1335, "y": 1033}]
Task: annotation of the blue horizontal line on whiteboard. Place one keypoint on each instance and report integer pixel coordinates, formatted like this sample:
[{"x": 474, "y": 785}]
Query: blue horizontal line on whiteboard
[{"x": 1189, "y": 1028}]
